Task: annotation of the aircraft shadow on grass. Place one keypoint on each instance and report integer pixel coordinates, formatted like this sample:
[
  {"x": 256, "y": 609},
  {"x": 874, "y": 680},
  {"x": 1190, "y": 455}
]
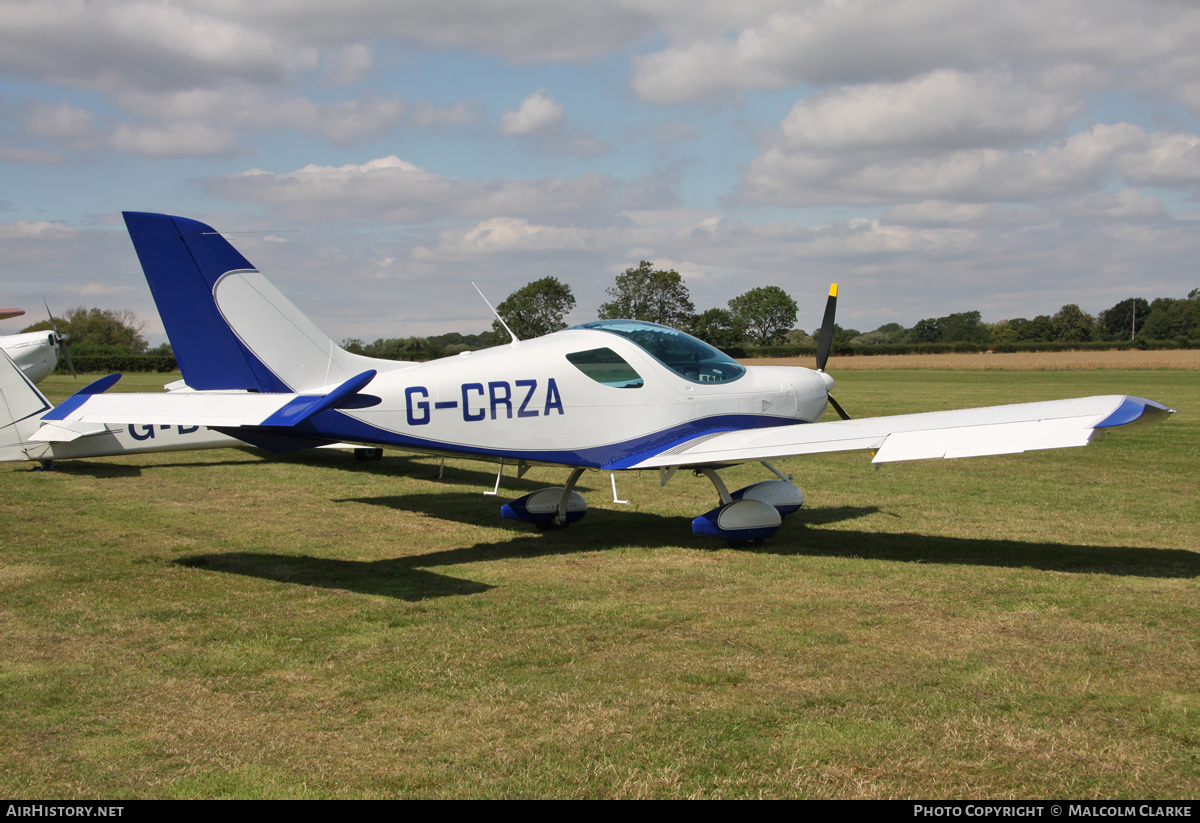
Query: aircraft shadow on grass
[
  {"x": 397, "y": 578},
  {"x": 98, "y": 469},
  {"x": 409, "y": 577},
  {"x": 419, "y": 467}
]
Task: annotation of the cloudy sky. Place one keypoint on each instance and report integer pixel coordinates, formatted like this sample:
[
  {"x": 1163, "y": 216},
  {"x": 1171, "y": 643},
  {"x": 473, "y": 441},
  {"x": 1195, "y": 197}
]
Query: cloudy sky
[{"x": 377, "y": 156}]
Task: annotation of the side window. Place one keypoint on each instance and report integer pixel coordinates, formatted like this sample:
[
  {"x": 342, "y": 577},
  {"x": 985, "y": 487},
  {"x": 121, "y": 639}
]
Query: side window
[{"x": 607, "y": 367}]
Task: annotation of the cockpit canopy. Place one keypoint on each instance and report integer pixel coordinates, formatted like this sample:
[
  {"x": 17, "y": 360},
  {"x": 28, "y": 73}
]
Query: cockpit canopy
[{"x": 683, "y": 354}]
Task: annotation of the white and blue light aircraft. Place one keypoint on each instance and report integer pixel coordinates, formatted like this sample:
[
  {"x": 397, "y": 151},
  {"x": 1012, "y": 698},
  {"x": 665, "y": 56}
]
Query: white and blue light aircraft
[
  {"x": 26, "y": 436},
  {"x": 611, "y": 395},
  {"x": 35, "y": 352}
]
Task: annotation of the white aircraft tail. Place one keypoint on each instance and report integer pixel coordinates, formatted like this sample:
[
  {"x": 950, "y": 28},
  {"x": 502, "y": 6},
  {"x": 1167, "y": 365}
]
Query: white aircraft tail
[{"x": 21, "y": 407}]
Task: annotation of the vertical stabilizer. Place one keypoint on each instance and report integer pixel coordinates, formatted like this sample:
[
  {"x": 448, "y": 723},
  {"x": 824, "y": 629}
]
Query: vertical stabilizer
[
  {"x": 229, "y": 326},
  {"x": 183, "y": 260},
  {"x": 21, "y": 405}
]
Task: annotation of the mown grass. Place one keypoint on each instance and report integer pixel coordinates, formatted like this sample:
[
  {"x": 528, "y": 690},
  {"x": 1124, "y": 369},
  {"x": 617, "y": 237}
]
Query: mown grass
[{"x": 224, "y": 624}]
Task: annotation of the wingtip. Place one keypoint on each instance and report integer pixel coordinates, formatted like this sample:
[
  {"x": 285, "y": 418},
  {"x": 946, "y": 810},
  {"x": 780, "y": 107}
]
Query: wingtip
[{"x": 1137, "y": 410}]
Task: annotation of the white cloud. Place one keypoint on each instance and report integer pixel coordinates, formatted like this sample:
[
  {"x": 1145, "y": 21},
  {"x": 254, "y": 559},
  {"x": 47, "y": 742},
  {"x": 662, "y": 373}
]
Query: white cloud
[
  {"x": 540, "y": 119},
  {"x": 395, "y": 190},
  {"x": 521, "y": 31},
  {"x": 941, "y": 110},
  {"x": 349, "y": 64},
  {"x": 93, "y": 290},
  {"x": 503, "y": 235},
  {"x": 40, "y": 229},
  {"x": 944, "y": 213},
  {"x": 1129, "y": 204},
  {"x": 61, "y": 121},
  {"x": 115, "y": 45},
  {"x": 537, "y": 114},
  {"x": 1171, "y": 159},
  {"x": 250, "y": 109},
  {"x": 1084, "y": 160},
  {"x": 350, "y": 120},
  {"x": 427, "y": 115},
  {"x": 175, "y": 140},
  {"x": 858, "y": 40}
]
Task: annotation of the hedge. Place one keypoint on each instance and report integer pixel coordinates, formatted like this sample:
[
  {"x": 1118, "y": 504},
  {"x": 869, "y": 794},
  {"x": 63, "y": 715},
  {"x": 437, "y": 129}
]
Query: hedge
[{"x": 108, "y": 364}]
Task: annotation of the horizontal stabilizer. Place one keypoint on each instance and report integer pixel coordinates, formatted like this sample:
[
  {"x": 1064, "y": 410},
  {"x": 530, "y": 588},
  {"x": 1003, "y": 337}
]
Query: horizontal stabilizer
[
  {"x": 59, "y": 432},
  {"x": 80, "y": 397},
  {"x": 304, "y": 406},
  {"x": 226, "y": 410}
]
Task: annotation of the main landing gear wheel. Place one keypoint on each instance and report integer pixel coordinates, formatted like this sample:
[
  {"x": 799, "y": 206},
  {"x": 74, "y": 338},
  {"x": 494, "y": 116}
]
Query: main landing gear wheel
[
  {"x": 552, "y": 508},
  {"x": 749, "y": 515}
]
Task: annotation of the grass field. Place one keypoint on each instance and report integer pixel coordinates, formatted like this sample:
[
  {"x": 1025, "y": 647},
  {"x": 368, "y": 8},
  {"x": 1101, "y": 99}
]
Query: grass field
[{"x": 225, "y": 624}]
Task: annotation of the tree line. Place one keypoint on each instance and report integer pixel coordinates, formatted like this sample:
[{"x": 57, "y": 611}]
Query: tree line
[
  {"x": 759, "y": 321},
  {"x": 762, "y": 320}
]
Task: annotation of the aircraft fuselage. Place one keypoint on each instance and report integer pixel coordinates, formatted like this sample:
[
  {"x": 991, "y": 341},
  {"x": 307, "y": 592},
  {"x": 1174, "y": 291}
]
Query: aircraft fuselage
[{"x": 497, "y": 403}]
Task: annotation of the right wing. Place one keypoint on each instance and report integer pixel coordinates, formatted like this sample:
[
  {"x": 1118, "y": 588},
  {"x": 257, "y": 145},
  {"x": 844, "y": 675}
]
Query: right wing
[{"x": 961, "y": 433}]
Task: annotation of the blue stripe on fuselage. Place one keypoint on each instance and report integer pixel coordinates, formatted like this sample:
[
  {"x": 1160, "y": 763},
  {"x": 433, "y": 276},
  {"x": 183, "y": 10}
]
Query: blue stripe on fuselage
[{"x": 333, "y": 425}]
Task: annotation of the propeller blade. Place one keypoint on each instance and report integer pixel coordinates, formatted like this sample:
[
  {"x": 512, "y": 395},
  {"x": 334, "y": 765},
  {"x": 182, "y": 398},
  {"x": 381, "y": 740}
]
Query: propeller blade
[
  {"x": 53, "y": 324},
  {"x": 62, "y": 345},
  {"x": 62, "y": 340},
  {"x": 837, "y": 407},
  {"x": 826, "y": 341}
]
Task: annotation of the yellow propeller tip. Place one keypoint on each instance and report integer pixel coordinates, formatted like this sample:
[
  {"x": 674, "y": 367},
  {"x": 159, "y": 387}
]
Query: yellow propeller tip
[{"x": 833, "y": 289}]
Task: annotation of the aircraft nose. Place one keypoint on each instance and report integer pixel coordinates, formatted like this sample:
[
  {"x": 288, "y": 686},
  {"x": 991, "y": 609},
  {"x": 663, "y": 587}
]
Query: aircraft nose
[
  {"x": 810, "y": 394},
  {"x": 812, "y": 389}
]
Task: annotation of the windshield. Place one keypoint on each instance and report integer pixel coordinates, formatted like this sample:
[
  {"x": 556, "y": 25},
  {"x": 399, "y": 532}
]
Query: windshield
[{"x": 683, "y": 354}]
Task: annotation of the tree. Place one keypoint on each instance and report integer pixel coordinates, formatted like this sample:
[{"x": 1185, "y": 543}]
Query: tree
[
  {"x": 645, "y": 294},
  {"x": 767, "y": 313},
  {"x": 1117, "y": 323},
  {"x": 953, "y": 328},
  {"x": 925, "y": 331},
  {"x": 1073, "y": 325},
  {"x": 1169, "y": 318},
  {"x": 99, "y": 331},
  {"x": 963, "y": 327},
  {"x": 885, "y": 334},
  {"x": 1039, "y": 329},
  {"x": 535, "y": 309},
  {"x": 1004, "y": 332},
  {"x": 718, "y": 328}
]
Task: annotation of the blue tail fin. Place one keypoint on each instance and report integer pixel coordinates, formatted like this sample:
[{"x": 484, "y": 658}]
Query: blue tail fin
[{"x": 183, "y": 261}]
